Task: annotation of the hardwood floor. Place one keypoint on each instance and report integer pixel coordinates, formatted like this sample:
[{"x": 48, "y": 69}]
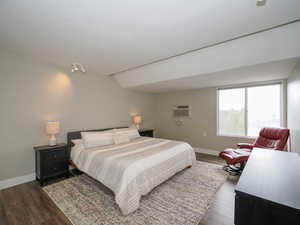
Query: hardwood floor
[
  {"x": 221, "y": 212},
  {"x": 26, "y": 204},
  {"x": 209, "y": 158}
]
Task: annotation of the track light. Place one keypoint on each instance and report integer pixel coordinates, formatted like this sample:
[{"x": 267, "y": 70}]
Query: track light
[{"x": 77, "y": 67}]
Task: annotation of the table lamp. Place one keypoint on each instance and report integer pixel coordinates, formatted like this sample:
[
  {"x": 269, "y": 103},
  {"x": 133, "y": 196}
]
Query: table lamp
[
  {"x": 52, "y": 128},
  {"x": 137, "y": 120}
]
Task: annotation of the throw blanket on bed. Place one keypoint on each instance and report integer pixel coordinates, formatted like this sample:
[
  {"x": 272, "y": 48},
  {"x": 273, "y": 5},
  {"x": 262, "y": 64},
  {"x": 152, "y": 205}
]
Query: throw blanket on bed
[{"x": 133, "y": 169}]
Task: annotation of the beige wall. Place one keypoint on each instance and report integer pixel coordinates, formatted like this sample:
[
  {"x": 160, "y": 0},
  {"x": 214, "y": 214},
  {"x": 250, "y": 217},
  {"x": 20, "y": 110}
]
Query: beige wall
[
  {"x": 203, "y": 104},
  {"x": 31, "y": 94},
  {"x": 294, "y": 108}
]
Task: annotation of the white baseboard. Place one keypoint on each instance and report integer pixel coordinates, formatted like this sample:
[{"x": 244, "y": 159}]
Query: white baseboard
[
  {"x": 206, "y": 151},
  {"x": 16, "y": 181}
]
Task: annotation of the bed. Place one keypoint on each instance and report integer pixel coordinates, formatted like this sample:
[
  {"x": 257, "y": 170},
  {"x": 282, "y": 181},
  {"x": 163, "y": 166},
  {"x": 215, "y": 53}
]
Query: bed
[{"x": 131, "y": 169}]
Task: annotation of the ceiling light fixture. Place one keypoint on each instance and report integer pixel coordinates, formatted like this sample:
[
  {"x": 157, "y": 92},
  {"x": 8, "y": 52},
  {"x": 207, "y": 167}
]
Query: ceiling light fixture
[
  {"x": 261, "y": 2},
  {"x": 77, "y": 67}
]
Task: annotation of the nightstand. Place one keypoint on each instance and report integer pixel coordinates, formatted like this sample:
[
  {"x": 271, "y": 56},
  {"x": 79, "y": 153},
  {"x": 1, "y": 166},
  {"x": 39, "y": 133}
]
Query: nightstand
[
  {"x": 50, "y": 162},
  {"x": 146, "y": 132}
]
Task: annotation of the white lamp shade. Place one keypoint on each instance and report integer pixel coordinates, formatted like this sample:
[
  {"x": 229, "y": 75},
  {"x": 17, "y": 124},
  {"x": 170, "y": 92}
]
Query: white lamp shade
[
  {"x": 52, "y": 127},
  {"x": 137, "y": 119}
]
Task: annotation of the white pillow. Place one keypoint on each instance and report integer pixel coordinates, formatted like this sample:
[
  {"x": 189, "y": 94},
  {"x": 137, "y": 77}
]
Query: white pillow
[
  {"x": 77, "y": 141},
  {"x": 76, "y": 149},
  {"x": 121, "y": 138},
  {"x": 132, "y": 132},
  {"x": 97, "y": 139}
]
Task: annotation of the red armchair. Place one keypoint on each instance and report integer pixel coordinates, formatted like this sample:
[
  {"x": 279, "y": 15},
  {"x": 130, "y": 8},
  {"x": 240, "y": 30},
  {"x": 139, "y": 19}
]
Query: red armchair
[{"x": 269, "y": 138}]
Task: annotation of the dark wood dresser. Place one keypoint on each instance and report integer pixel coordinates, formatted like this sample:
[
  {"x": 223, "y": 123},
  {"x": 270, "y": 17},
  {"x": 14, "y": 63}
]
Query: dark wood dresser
[
  {"x": 147, "y": 132},
  {"x": 268, "y": 192},
  {"x": 51, "y": 161}
]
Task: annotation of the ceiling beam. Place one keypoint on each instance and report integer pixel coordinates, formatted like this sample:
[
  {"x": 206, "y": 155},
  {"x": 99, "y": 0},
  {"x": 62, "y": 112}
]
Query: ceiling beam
[{"x": 265, "y": 46}]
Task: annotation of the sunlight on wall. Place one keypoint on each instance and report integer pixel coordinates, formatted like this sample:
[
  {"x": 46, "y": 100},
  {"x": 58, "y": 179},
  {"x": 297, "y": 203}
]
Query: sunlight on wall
[
  {"x": 56, "y": 93},
  {"x": 134, "y": 111},
  {"x": 59, "y": 84}
]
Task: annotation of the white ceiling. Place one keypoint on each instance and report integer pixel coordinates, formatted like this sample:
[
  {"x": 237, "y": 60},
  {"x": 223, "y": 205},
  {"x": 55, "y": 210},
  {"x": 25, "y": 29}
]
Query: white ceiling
[
  {"x": 269, "y": 46},
  {"x": 262, "y": 72},
  {"x": 108, "y": 36}
]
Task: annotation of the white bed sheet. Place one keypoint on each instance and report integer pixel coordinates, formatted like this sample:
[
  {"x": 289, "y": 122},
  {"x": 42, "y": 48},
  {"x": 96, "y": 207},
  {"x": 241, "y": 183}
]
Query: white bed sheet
[{"x": 133, "y": 169}]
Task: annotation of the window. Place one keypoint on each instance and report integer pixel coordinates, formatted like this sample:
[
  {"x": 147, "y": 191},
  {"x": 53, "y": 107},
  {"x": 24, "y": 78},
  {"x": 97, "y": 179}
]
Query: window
[
  {"x": 232, "y": 111},
  {"x": 244, "y": 111}
]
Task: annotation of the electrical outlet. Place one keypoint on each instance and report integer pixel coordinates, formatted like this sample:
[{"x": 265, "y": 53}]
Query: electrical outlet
[{"x": 204, "y": 134}]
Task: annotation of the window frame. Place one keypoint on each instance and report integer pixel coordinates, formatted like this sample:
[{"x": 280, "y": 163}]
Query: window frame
[{"x": 283, "y": 110}]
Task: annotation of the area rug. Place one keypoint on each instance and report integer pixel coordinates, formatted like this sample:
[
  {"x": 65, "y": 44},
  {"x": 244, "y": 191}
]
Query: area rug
[{"x": 181, "y": 200}]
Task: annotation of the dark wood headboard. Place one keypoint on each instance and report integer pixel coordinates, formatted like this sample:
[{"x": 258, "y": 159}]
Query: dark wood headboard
[{"x": 77, "y": 134}]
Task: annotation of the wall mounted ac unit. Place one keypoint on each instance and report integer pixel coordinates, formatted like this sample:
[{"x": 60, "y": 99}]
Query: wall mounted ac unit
[{"x": 181, "y": 111}]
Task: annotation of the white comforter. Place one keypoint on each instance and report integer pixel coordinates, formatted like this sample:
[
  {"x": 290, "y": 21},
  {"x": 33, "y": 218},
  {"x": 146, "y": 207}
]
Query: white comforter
[{"x": 133, "y": 169}]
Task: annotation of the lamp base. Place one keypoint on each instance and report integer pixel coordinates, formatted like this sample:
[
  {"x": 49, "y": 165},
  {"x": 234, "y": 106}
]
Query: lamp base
[{"x": 52, "y": 141}]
